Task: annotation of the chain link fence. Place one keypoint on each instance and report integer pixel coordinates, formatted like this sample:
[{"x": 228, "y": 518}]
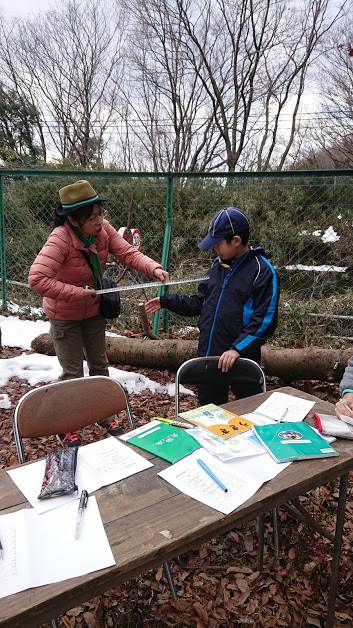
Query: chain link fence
[{"x": 303, "y": 219}]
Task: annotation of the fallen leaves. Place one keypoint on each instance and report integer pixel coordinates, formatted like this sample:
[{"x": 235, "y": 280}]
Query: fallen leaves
[{"x": 218, "y": 583}]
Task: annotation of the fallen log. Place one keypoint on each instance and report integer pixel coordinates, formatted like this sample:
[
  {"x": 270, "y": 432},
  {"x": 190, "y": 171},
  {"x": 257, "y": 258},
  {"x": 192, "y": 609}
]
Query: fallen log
[{"x": 287, "y": 364}]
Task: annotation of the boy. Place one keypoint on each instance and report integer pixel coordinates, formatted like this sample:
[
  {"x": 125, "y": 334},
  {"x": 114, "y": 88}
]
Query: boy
[{"x": 237, "y": 305}]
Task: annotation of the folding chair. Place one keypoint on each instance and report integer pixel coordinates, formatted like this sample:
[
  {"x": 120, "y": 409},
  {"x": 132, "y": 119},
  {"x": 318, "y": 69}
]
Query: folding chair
[
  {"x": 204, "y": 370},
  {"x": 69, "y": 406}
]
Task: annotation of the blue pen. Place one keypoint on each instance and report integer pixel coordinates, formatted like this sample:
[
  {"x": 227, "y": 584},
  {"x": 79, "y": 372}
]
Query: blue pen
[{"x": 210, "y": 473}]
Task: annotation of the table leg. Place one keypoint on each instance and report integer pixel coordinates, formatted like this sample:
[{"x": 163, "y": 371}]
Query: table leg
[
  {"x": 336, "y": 554},
  {"x": 275, "y": 533},
  {"x": 169, "y": 577},
  {"x": 260, "y": 541}
]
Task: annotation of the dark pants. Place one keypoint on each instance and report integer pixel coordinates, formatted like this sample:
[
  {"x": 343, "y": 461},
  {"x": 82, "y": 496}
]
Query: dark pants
[
  {"x": 75, "y": 340},
  {"x": 218, "y": 393}
]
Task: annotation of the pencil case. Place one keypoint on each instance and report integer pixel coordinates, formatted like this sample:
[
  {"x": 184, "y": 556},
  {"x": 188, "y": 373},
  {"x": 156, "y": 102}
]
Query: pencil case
[{"x": 59, "y": 475}]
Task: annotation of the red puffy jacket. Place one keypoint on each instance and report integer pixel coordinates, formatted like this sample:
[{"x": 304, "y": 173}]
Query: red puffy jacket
[{"x": 60, "y": 270}]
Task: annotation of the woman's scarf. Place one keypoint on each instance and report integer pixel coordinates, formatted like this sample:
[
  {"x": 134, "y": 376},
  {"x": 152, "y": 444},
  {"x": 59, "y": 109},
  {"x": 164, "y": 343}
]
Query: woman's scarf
[{"x": 90, "y": 245}]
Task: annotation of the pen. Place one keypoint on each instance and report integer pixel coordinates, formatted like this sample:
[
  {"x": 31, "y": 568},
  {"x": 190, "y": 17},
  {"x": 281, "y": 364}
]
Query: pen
[
  {"x": 81, "y": 507},
  {"x": 285, "y": 411},
  {"x": 345, "y": 405},
  {"x": 175, "y": 423},
  {"x": 210, "y": 473}
]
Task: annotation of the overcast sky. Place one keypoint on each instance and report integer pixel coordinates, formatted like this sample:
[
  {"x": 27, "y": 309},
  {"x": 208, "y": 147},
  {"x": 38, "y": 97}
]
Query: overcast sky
[{"x": 12, "y": 8}]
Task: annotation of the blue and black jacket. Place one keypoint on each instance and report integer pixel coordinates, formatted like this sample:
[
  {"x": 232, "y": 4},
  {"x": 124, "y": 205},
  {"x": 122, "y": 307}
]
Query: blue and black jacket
[{"x": 237, "y": 306}]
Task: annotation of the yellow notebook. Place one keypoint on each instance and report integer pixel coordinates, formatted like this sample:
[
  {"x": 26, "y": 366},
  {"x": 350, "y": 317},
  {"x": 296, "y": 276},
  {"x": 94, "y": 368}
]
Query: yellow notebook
[{"x": 217, "y": 420}]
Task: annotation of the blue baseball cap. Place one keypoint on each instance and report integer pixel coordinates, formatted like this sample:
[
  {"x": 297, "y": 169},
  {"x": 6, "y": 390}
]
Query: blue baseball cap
[{"x": 227, "y": 221}]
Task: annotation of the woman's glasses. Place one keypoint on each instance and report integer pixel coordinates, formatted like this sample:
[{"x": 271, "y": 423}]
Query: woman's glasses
[{"x": 96, "y": 217}]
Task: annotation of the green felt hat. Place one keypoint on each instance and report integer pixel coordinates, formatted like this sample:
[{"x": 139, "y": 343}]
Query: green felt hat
[{"x": 76, "y": 195}]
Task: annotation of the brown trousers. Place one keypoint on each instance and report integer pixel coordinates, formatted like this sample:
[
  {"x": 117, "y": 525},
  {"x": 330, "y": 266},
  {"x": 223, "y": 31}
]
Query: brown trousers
[{"x": 75, "y": 341}]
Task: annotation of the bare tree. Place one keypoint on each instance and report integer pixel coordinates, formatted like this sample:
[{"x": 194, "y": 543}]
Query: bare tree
[
  {"x": 332, "y": 136},
  {"x": 252, "y": 57},
  {"x": 21, "y": 87},
  {"x": 71, "y": 60},
  {"x": 171, "y": 114}
]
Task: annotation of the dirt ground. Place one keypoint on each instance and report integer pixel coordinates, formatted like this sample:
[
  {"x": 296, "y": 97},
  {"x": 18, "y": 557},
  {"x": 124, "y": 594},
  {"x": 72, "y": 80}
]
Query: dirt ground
[{"x": 217, "y": 583}]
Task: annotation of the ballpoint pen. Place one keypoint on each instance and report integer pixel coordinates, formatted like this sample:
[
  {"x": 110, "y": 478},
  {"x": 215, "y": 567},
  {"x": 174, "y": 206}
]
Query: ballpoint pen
[
  {"x": 345, "y": 404},
  {"x": 81, "y": 507},
  {"x": 284, "y": 413},
  {"x": 210, "y": 473}
]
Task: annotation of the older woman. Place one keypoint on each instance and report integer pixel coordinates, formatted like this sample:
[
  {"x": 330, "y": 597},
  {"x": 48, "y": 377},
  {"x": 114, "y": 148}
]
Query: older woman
[{"x": 68, "y": 270}]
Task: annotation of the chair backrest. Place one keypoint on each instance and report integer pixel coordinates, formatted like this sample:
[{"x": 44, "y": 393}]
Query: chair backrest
[
  {"x": 205, "y": 370},
  {"x": 67, "y": 407}
]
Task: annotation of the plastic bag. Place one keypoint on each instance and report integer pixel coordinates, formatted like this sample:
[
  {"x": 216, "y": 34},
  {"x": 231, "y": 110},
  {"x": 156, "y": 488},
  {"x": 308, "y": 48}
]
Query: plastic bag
[
  {"x": 59, "y": 476},
  {"x": 110, "y": 302},
  {"x": 331, "y": 425}
]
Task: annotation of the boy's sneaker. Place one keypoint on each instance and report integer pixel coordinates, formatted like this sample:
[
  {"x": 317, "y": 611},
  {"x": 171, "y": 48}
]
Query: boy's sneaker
[
  {"x": 70, "y": 439},
  {"x": 113, "y": 428}
]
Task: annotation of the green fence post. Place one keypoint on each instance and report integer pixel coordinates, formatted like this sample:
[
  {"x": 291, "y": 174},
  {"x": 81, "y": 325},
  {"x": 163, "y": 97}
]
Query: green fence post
[
  {"x": 166, "y": 250},
  {"x": 2, "y": 246}
]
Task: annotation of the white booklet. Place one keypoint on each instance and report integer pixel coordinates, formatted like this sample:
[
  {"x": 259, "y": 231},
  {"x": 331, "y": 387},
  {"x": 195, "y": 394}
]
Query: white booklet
[
  {"x": 40, "y": 549},
  {"x": 98, "y": 464},
  {"x": 239, "y": 446},
  {"x": 190, "y": 478},
  {"x": 282, "y": 407}
]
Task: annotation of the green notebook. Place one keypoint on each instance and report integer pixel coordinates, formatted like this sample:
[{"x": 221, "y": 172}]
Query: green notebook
[
  {"x": 293, "y": 441},
  {"x": 166, "y": 441}
]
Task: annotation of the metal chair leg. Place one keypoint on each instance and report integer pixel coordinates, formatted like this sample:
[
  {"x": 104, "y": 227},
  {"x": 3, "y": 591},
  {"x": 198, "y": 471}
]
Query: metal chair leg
[
  {"x": 275, "y": 533},
  {"x": 169, "y": 577},
  {"x": 261, "y": 541},
  {"x": 336, "y": 554}
]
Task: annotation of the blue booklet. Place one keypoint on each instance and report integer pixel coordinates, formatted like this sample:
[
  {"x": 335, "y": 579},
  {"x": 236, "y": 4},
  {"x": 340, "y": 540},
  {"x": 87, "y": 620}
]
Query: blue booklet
[{"x": 293, "y": 441}]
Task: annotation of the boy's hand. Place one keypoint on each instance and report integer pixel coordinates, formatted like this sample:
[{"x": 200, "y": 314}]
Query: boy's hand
[
  {"x": 345, "y": 405},
  {"x": 161, "y": 274},
  {"x": 227, "y": 360},
  {"x": 153, "y": 305}
]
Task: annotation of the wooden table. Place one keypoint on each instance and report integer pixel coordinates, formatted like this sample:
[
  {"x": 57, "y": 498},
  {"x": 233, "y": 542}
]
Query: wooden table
[{"x": 137, "y": 511}]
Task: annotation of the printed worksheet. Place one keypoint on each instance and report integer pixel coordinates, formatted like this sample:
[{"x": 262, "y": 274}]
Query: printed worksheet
[
  {"x": 282, "y": 407},
  {"x": 236, "y": 447},
  {"x": 98, "y": 464},
  {"x": 40, "y": 549},
  {"x": 264, "y": 468},
  {"x": 189, "y": 477}
]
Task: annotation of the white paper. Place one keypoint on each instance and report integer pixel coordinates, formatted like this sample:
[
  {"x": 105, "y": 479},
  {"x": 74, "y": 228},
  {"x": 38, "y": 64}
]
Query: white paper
[
  {"x": 282, "y": 407},
  {"x": 40, "y": 549},
  {"x": 109, "y": 461},
  {"x": 234, "y": 447},
  {"x": 264, "y": 468},
  {"x": 258, "y": 419},
  {"x": 189, "y": 478},
  {"x": 149, "y": 427},
  {"x": 98, "y": 464}
]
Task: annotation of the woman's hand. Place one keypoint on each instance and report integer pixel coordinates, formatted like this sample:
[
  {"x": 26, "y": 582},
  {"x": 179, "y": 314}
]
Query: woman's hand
[
  {"x": 90, "y": 291},
  {"x": 227, "y": 359},
  {"x": 153, "y": 305},
  {"x": 161, "y": 274},
  {"x": 345, "y": 406}
]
